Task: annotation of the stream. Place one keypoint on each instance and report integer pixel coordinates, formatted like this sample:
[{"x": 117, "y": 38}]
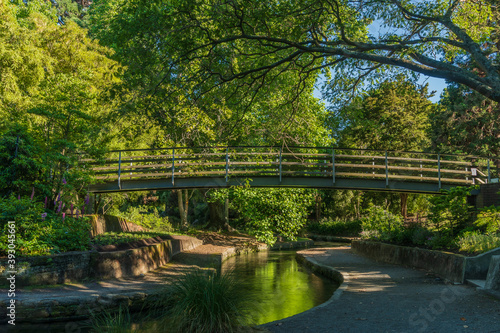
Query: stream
[{"x": 272, "y": 279}]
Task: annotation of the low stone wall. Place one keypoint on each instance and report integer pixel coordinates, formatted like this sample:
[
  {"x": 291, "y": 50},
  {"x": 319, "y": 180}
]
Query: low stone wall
[
  {"x": 334, "y": 239},
  {"x": 449, "y": 266},
  {"x": 477, "y": 267},
  {"x": 318, "y": 268},
  {"x": 292, "y": 245},
  {"x": 108, "y": 223},
  {"x": 81, "y": 266}
]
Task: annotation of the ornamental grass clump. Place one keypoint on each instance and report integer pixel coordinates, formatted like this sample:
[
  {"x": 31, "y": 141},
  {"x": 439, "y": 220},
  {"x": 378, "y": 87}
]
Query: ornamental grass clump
[{"x": 207, "y": 302}]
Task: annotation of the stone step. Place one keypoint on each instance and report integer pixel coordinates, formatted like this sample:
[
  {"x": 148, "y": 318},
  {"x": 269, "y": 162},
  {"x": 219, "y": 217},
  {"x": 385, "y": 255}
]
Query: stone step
[{"x": 477, "y": 283}]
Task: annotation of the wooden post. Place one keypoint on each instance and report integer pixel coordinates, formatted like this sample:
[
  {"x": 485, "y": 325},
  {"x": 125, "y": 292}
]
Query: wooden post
[
  {"x": 489, "y": 172},
  {"x": 119, "y": 169},
  {"x": 333, "y": 165},
  {"x": 227, "y": 164},
  {"x": 280, "y": 163},
  {"x": 386, "y": 170},
  {"x": 173, "y": 166},
  {"x": 439, "y": 171}
]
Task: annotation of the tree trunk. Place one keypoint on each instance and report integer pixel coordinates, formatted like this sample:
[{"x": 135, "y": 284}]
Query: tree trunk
[
  {"x": 318, "y": 206},
  {"x": 219, "y": 216},
  {"x": 183, "y": 207},
  {"x": 404, "y": 201}
]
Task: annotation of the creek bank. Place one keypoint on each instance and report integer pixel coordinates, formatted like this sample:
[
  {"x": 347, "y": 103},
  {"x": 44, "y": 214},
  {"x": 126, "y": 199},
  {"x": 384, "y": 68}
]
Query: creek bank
[
  {"x": 74, "y": 267},
  {"x": 75, "y": 301}
]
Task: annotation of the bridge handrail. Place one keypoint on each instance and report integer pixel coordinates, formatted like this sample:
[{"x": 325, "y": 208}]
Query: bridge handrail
[{"x": 275, "y": 161}]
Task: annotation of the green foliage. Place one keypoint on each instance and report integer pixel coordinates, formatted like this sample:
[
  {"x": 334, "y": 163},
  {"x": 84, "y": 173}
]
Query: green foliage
[
  {"x": 466, "y": 122},
  {"x": 267, "y": 212},
  {"x": 112, "y": 238},
  {"x": 475, "y": 242},
  {"x": 112, "y": 322},
  {"x": 38, "y": 234},
  {"x": 450, "y": 211},
  {"x": 205, "y": 302},
  {"x": 147, "y": 217},
  {"x": 335, "y": 227},
  {"x": 393, "y": 116},
  {"x": 378, "y": 223},
  {"x": 489, "y": 219},
  {"x": 56, "y": 88}
]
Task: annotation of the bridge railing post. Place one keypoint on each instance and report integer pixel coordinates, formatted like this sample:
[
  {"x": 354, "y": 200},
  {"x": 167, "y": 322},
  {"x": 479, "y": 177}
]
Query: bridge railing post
[
  {"x": 173, "y": 165},
  {"x": 333, "y": 165},
  {"x": 439, "y": 171},
  {"x": 227, "y": 164},
  {"x": 281, "y": 150},
  {"x": 386, "y": 170},
  {"x": 119, "y": 169},
  {"x": 489, "y": 172}
]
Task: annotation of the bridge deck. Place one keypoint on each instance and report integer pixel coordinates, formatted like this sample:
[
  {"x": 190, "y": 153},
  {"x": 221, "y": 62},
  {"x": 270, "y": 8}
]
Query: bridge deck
[{"x": 316, "y": 167}]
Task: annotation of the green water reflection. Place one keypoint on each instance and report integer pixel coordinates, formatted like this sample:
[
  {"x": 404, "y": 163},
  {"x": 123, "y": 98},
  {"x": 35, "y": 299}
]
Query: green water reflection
[{"x": 278, "y": 285}]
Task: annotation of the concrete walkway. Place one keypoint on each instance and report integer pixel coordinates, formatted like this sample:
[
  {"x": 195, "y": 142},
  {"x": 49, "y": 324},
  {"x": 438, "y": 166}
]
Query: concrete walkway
[{"x": 378, "y": 297}]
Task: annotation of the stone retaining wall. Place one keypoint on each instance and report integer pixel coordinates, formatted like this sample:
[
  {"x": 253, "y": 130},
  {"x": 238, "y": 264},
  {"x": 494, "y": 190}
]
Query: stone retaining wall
[
  {"x": 81, "y": 266},
  {"x": 449, "y": 266}
]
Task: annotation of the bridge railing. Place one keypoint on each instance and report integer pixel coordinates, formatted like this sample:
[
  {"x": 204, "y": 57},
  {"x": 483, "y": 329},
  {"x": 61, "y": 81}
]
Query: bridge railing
[{"x": 324, "y": 162}]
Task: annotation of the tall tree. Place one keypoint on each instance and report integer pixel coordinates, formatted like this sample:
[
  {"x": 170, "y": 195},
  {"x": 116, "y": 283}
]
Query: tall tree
[
  {"x": 245, "y": 44},
  {"x": 393, "y": 116},
  {"x": 56, "y": 89}
]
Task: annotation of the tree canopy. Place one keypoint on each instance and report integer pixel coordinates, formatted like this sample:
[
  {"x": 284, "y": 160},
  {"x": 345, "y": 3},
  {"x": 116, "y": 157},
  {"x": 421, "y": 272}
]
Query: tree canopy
[{"x": 240, "y": 46}]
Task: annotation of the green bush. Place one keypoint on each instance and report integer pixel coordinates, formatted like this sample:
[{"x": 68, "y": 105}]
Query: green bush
[
  {"x": 204, "y": 301},
  {"x": 111, "y": 322},
  {"x": 146, "y": 217},
  {"x": 450, "y": 212},
  {"x": 39, "y": 232},
  {"x": 380, "y": 224},
  {"x": 489, "y": 219},
  {"x": 336, "y": 227},
  {"x": 268, "y": 212},
  {"x": 475, "y": 242}
]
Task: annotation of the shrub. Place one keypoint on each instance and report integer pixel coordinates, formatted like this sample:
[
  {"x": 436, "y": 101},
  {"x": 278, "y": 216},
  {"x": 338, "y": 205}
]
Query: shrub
[
  {"x": 450, "y": 211},
  {"x": 336, "y": 227},
  {"x": 109, "y": 322},
  {"x": 441, "y": 241},
  {"x": 489, "y": 219},
  {"x": 388, "y": 225},
  {"x": 205, "y": 301},
  {"x": 475, "y": 242},
  {"x": 39, "y": 232},
  {"x": 146, "y": 217}
]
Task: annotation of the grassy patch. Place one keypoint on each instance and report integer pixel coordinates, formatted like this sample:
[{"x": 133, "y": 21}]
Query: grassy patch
[
  {"x": 112, "y": 238},
  {"x": 475, "y": 242},
  {"x": 203, "y": 301}
]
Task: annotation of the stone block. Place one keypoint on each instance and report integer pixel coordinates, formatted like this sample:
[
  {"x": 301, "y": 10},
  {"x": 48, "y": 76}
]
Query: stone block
[{"x": 493, "y": 277}]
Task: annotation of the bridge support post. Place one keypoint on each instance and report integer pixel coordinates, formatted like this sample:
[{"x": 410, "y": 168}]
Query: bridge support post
[{"x": 489, "y": 172}]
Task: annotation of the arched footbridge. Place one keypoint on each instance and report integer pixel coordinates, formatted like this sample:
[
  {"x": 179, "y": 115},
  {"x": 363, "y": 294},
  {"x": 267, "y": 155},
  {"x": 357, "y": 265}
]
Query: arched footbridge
[{"x": 311, "y": 167}]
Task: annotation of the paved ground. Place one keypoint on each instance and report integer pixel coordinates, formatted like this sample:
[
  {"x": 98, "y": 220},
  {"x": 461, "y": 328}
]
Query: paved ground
[{"x": 379, "y": 297}]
